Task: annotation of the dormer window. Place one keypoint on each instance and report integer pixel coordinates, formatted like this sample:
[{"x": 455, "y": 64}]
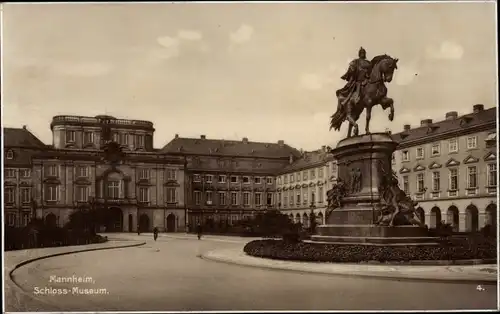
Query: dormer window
[
  {"x": 246, "y": 180},
  {"x": 10, "y": 154}
]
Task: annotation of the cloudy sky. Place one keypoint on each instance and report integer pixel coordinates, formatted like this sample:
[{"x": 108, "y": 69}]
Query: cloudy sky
[{"x": 262, "y": 71}]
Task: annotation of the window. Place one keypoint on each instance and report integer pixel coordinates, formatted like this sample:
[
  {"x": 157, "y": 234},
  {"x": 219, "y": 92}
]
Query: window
[
  {"x": 285, "y": 179},
  {"x": 258, "y": 199},
  {"x": 305, "y": 197},
  {"x": 234, "y": 179},
  {"x": 320, "y": 172},
  {"x": 10, "y": 173},
  {"x": 197, "y": 197},
  {"x": 25, "y": 195},
  {"x": 298, "y": 177},
  {"x": 420, "y": 182},
  {"x": 143, "y": 174},
  {"x": 304, "y": 175},
  {"x": 144, "y": 195},
  {"x": 472, "y": 177},
  {"x": 70, "y": 136},
  {"x": 208, "y": 178},
  {"x": 420, "y": 153},
  {"x": 320, "y": 194},
  {"x": 472, "y": 142},
  {"x": 285, "y": 200},
  {"x": 269, "y": 180},
  {"x": 25, "y": 173},
  {"x": 52, "y": 193},
  {"x": 9, "y": 195},
  {"x": 279, "y": 180},
  {"x": 209, "y": 198},
  {"x": 171, "y": 195},
  {"x": 10, "y": 155},
  {"x": 313, "y": 174},
  {"x": 246, "y": 198},
  {"x": 453, "y": 145},
  {"x": 88, "y": 137},
  {"x": 113, "y": 189},
  {"x": 172, "y": 174},
  {"x": 196, "y": 178},
  {"x": 246, "y": 180},
  {"x": 291, "y": 198},
  {"x": 52, "y": 169},
  {"x": 291, "y": 178},
  {"x": 82, "y": 171},
  {"x": 492, "y": 175},
  {"x": 123, "y": 139},
  {"x": 435, "y": 149},
  {"x": 116, "y": 137},
  {"x": 453, "y": 179},
  {"x": 222, "y": 179},
  {"x": 269, "y": 200},
  {"x": 436, "y": 181},
  {"x": 11, "y": 219},
  {"x": 140, "y": 141},
  {"x": 405, "y": 155},
  {"x": 298, "y": 199},
  {"x": 406, "y": 185},
  {"x": 313, "y": 197},
  {"x": 26, "y": 219},
  {"x": 234, "y": 198},
  {"x": 258, "y": 180},
  {"x": 82, "y": 193},
  {"x": 222, "y": 198}
]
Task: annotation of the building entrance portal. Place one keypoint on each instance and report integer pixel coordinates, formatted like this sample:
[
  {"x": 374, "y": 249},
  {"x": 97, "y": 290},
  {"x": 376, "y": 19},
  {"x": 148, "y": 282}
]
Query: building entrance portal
[
  {"x": 171, "y": 223},
  {"x": 114, "y": 220}
]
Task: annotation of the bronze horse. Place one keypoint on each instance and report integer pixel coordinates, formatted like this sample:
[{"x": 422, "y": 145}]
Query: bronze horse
[{"x": 372, "y": 94}]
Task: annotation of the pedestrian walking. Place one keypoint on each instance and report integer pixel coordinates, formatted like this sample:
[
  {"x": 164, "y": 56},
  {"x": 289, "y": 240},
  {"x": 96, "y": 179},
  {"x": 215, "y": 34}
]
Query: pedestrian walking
[
  {"x": 155, "y": 233},
  {"x": 198, "y": 230}
]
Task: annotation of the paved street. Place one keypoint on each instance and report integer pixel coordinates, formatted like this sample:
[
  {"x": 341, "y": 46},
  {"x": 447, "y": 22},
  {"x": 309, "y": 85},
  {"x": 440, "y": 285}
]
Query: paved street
[{"x": 168, "y": 275}]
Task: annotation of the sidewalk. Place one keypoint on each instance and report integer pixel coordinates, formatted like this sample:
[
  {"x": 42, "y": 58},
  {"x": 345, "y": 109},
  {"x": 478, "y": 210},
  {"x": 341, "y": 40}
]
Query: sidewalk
[
  {"x": 15, "y": 297},
  {"x": 476, "y": 274},
  {"x": 180, "y": 236}
]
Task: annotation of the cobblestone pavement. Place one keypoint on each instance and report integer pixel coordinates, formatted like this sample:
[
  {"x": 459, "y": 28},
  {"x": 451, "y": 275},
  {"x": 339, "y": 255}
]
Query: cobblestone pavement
[{"x": 167, "y": 275}]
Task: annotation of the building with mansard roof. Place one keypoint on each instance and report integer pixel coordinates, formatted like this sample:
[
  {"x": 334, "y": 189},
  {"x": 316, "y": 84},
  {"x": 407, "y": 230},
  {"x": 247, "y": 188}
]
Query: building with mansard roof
[
  {"x": 229, "y": 180},
  {"x": 450, "y": 168}
]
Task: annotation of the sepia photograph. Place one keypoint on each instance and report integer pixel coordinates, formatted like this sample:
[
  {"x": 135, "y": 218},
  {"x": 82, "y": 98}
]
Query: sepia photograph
[{"x": 249, "y": 156}]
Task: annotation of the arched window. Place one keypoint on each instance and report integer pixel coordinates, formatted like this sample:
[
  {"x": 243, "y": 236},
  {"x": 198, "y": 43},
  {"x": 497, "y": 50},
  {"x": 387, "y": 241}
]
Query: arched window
[{"x": 10, "y": 154}]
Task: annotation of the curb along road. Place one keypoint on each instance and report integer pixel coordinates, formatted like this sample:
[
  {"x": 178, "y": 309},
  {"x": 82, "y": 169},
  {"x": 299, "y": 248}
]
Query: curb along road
[
  {"x": 389, "y": 272},
  {"x": 10, "y": 282}
]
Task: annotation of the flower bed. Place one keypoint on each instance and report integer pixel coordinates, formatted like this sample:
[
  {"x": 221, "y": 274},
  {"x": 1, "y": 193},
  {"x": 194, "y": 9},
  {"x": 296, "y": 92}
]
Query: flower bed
[{"x": 350, "y": 253}]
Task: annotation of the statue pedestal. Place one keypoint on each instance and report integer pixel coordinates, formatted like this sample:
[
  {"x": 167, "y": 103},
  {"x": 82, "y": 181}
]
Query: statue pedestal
[{"x": 362, "y": 161}]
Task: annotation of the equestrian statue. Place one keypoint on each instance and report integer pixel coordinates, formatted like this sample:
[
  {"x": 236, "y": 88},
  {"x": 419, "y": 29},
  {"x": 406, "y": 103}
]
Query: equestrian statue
[{"x": 365, "y": 89}]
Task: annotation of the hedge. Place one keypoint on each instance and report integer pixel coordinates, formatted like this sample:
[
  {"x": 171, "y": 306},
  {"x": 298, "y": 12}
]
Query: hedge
[{"x": 351, "y": 253}]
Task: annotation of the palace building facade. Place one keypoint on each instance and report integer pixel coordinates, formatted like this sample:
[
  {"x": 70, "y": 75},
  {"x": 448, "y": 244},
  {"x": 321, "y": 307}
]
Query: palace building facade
[
  {"x": 229, "y": 180},
  {"x": 450, "y": 168},
  {"x": 303, "y": 183},
  {"x": 97, "y": 161}
]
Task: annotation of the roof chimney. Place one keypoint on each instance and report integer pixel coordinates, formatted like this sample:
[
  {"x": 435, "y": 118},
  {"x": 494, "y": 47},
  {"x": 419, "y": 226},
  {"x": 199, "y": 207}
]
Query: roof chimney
[
  {"x": 406, "y": 127},
  {"x": 281, "y": 143},
  {"x": 176, "y": 135},
  {"x": 245, "y": 140},
  {"x": 291, "y": 159},
  {"x": 478, "y": 108},
  {"x": 451, "y": 115},
  {"x": 426, "y": 122},
  {"x": 25, "y": 127},
  {"x": 203, "y": 137}
]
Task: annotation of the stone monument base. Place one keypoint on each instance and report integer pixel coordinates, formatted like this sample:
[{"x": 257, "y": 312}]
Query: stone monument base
[{"x": 374, "y": 235}]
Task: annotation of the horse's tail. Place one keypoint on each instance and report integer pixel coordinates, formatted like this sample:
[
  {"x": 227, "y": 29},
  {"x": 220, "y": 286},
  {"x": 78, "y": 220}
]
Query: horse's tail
[{"x": 336, "y": 119}]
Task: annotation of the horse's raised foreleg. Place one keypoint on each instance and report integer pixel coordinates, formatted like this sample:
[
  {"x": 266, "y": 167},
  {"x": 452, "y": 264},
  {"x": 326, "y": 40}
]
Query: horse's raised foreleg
[{"x": 387, "y": 102}]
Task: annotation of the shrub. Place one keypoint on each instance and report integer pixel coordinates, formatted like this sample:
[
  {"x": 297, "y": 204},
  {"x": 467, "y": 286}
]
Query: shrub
[{"x": 350, "y": 253}]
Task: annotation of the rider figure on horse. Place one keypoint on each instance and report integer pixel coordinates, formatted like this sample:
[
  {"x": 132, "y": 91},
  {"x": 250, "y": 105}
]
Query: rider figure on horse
[{"x": 357, "y": 77}]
